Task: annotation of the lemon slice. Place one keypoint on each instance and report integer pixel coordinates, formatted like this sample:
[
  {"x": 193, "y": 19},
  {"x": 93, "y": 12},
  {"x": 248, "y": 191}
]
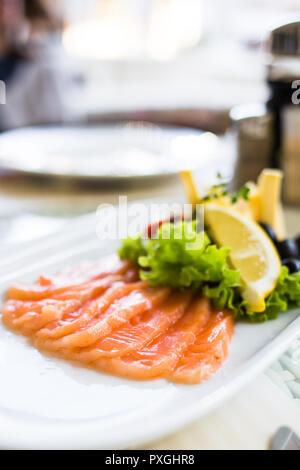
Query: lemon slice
[{"x": 252, "y": 252}]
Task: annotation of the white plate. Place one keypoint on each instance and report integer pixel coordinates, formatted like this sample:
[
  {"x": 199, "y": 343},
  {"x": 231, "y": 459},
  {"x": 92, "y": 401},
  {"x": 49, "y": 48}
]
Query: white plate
[
  {"x": 47, "y": 403},
  {"x": 131, "y": 150}
]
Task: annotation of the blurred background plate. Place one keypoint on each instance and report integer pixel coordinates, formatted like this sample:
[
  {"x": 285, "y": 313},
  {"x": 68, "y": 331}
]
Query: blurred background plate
[{"x": 120, "y": 151}]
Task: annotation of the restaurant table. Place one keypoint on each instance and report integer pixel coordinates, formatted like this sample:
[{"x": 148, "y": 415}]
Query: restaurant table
[{"x": 30, "y": 208}]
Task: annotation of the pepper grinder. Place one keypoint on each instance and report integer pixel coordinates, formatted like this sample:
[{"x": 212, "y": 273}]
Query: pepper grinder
[
  {"x": 283, "y": 78},
  {"x": 268, "y": 134}
]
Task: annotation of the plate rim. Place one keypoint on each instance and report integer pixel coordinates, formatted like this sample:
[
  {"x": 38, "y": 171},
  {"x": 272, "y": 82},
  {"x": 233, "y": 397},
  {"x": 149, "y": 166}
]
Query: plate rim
[{"x": 6, "y": 166}]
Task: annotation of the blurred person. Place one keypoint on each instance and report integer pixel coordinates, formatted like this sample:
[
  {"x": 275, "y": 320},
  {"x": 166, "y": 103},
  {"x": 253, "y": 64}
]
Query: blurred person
[
  {"x": 11, "y": 15},
  {"x": 40, "y": 80}
]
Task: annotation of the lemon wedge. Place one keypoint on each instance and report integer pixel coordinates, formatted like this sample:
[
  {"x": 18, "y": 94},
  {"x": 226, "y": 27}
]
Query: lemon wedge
[
  {"x": 252, "y": 252},
  {"x": 190, "y": 187},
  {"x": 269, "y": 187}
]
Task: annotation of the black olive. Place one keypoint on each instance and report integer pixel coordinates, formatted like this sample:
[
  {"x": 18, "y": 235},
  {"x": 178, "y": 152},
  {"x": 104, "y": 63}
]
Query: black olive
[
  {"x": 287, "y": 249},
  {"x": 297, "y": 240},
  {"x": 269, "y": 230},
  {"x": 292, "y": 264}
]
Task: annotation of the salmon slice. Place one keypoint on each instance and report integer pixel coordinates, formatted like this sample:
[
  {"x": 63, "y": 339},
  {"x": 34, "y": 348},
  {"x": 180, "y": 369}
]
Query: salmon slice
[
  {"x": 38, "y": 292},
  {"x": 34, "y": 315},
  {"x": 17, "y": 308},
  {"x": 89, "y": 290},
  {"x": 116, "y": 315},
  {"x": 161, "y": 356},
  {"x": 33, "y": 320},
  {"x": 89, "y": 271},
  {"x": 39, "y": 315},
  {"x": 48, "y": 337},
  {"x": 137, "y": 332},
  {"x": 207, "y": 353},
  {"x": 63, "y": 282}
]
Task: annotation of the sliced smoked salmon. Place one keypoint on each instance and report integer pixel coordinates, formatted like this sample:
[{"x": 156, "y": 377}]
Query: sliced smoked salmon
[
  {"x": 74, "y": 279},
  {"x": 207, "y": 353},
  {"x": 137, "y": 332},
  {"x": 161, "y": 356},
  {"x": 35, "y": 315},
  {"x": 116, "y": 315},
  {"x": 103, "y": 316},
  {"x": 77, "y": 320}
]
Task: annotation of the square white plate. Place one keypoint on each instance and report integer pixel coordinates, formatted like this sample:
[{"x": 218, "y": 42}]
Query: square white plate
[{"x": 47, "y": 403}]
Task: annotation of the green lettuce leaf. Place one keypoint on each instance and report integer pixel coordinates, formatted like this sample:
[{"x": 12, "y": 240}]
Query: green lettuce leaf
[{"x": 182, "y": 257}]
